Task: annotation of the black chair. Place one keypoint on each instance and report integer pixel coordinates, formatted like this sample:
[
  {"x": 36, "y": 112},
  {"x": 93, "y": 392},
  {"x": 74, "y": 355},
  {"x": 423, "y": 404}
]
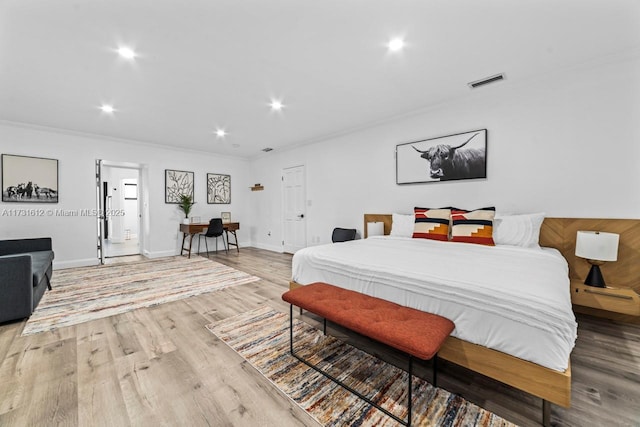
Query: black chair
[
  {"x": 216, "y": 229},
  {"x": 343, "y": 234}
]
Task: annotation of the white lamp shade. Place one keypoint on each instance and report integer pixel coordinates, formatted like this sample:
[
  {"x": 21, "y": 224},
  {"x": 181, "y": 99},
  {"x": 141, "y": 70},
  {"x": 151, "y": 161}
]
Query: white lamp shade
[
  {"x": 375, "y": 229},
  {"x": 597, "y": 245}
]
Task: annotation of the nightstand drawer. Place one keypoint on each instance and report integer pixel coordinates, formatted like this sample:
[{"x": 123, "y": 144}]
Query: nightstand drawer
[{"x": 618, "y": 300}]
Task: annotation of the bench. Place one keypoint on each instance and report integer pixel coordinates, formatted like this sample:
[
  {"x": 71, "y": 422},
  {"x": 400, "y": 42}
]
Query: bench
[{"x": 414, "y": 332}]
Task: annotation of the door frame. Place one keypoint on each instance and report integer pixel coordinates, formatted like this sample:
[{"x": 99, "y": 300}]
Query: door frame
[{"x": 143, "y": 211}]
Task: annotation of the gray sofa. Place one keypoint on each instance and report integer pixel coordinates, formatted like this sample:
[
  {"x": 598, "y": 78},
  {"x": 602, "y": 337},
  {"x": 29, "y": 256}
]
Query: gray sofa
[{"x": 26, "y": 266}]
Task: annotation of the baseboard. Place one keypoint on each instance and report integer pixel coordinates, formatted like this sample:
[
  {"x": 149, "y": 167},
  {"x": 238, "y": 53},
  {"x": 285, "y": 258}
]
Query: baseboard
[
  {"x": 272, "y": 248},
  {"x": 61, "y": 265},
  {"x": 160, "y": 254}
]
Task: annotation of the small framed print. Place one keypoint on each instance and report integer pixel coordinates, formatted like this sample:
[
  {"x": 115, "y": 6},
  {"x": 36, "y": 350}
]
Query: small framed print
[
  {"x": 218, "y": 188},
  {"x": 226, "y": 217}
]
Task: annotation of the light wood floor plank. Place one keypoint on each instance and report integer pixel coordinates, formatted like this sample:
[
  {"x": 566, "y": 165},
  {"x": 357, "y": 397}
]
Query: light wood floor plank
[{"x": 100, "y": 400}]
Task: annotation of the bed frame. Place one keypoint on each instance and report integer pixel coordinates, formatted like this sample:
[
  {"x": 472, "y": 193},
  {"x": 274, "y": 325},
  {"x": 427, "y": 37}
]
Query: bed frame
[{"x": 560, "y": 233}]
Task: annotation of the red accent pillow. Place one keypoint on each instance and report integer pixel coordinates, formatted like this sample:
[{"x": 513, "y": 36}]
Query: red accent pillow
[
  {"x": 473, "y": 226},
  {"x": 431, "y": 223}
]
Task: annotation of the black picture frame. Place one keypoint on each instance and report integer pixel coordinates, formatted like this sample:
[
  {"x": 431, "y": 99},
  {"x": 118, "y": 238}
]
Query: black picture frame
[
  {"x": 176, "y": 184},
  {"x": 218, "y": 189},
  {"x": 446, "y": 158},
  {"x": 28, "y": 179}
]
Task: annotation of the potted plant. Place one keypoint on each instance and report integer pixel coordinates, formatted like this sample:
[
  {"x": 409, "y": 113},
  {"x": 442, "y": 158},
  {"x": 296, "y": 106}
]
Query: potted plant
[{"x": 185, "y": 205}]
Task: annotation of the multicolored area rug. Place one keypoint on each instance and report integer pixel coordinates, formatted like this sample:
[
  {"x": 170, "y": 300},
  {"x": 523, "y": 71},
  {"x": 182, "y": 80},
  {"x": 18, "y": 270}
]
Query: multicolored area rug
[
  {"x": 83, "y": 294},
  {"x": 262, "y": 338}
]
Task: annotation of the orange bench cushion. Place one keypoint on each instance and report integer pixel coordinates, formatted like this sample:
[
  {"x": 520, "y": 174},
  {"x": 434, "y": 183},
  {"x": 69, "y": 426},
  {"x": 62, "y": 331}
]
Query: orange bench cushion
[{"x": 413, "y": 331}]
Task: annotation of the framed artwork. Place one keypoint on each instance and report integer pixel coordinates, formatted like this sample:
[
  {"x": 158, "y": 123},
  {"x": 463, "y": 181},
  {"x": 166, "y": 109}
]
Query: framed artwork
[
  {"x": 131, "y": 191},
  {"x": 29, "y": 179},
  {"x": 446, "y": 158},
  {"x": 177, "y": 183},
  {"x": 218, "y": 188},
  {"x": 226, "y": 217}
]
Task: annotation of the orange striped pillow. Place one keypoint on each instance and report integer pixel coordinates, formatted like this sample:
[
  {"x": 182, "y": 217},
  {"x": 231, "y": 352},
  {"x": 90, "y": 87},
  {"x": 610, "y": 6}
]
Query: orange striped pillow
[
  {"x": 431, "y": 223},
  {"x": 473, "y": 226}
]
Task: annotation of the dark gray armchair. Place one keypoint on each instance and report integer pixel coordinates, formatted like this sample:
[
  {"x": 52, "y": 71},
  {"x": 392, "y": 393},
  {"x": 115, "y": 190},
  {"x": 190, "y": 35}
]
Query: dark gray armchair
[{"x": 26, "y": 267}]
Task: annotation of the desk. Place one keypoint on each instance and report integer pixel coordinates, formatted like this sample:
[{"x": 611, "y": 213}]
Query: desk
[{"x": 193, "y": 229}]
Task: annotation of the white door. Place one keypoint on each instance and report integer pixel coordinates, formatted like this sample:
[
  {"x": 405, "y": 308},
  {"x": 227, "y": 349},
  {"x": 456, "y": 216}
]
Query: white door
[{"x": 295, "y": 229}]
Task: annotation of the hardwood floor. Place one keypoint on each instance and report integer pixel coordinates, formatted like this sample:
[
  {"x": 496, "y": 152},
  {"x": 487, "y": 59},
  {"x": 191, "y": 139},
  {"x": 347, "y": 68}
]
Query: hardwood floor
[{"x": 160, "y": 366}]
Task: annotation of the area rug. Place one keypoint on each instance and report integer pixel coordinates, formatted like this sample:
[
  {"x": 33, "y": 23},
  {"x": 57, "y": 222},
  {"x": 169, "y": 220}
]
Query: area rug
[
  {"x": 87, "y": 293},
  {"x": 262, "y": 338}
]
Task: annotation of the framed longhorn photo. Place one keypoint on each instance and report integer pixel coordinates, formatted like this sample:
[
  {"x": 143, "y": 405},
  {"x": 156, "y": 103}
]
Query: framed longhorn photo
[
  {"x": 446, "y": 158},
  {"x": 29, "y": 179}
]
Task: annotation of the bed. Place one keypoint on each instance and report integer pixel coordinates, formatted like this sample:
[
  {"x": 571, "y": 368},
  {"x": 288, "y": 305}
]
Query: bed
[{"x": 510, "y": 318}]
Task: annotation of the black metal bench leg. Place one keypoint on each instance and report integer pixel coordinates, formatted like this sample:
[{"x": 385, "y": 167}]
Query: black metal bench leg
[
  {"x": 291, "y": 328},
  {"x": 409, "y": 402},
  {"x": 435, "y": 370}
]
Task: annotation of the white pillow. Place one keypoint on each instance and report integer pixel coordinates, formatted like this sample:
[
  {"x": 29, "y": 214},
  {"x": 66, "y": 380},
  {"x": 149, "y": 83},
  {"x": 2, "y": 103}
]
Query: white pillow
[
  {"x": 402, "y": 225},
  {"x": 518, "y": 230}
]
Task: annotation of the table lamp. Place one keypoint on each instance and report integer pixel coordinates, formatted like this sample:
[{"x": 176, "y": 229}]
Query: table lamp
[
  {"x": 375, "y": 229},
  {"x": 597, "y": 247}
]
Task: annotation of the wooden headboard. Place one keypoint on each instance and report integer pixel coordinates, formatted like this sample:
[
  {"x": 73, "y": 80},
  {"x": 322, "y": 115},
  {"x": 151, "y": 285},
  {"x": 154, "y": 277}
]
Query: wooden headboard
[{"x": 560, "y": 233}]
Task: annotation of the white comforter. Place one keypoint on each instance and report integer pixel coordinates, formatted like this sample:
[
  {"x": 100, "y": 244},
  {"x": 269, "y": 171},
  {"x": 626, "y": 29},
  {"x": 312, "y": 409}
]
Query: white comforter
[{"x": 515, "y": 300}]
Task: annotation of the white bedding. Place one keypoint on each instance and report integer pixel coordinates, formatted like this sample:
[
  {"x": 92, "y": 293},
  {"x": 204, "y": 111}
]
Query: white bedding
[{"x": 512, "y": 299}]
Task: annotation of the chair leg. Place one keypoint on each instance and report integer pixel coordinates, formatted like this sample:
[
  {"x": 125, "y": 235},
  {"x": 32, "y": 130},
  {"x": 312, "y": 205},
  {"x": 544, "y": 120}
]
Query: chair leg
[
  {"x": 226, "y": 245},
  {"x": 206, "y": 245}
]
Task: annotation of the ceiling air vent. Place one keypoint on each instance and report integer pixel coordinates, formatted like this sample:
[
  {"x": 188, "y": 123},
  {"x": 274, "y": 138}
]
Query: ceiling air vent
[
  {"x": 486, "y": 81},
  {"x": 266, "y": 150}
]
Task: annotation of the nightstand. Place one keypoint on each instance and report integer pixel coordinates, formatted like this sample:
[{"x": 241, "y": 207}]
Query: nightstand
[{"x": 617, "y": 300}]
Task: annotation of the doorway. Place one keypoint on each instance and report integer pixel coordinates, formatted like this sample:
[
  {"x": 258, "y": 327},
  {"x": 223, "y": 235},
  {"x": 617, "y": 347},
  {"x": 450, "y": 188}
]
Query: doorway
[
  {"x": 295, "y": 224},
  {"x": 120, "y": 220}
]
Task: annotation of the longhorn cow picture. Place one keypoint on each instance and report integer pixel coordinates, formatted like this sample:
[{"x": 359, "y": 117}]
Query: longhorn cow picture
[
  {"x": 29, "y": 179},
  {"x": 447, "y": 158}
]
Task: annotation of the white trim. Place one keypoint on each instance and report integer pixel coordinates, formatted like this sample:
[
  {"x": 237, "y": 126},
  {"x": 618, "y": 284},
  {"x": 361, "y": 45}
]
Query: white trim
[
  {"x": 161, "y": 254},
  {"x": 87, "y": 262},
  {"x": 53, "y": 129}
]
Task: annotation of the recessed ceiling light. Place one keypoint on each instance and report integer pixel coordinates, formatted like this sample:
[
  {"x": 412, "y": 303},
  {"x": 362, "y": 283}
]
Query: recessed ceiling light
[
  {"x": 108, "y": 109},
  {"x": 396, "y": 45},
  {"x": 276, "y": 105},
  {"x": 221, "y": 133},
  {"x": 126, "y": 52}
]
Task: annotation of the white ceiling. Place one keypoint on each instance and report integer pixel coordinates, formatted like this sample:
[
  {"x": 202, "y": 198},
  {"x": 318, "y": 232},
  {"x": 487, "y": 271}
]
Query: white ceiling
[{"x": 215, "y": 63}]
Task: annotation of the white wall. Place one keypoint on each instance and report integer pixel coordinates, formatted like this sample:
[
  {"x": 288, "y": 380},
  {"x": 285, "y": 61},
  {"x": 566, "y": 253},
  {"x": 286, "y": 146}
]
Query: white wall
[
  {"x": 74, "y": 237},
  {"x": 566, "y": 144}
]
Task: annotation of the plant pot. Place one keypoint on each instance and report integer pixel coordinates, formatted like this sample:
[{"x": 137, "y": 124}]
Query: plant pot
[{"x": 186, "y": 221}]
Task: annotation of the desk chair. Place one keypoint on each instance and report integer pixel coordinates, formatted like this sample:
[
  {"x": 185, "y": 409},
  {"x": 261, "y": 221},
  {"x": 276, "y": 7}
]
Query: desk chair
[
  {"x": 216, "y": 229},
  {"x": 343, "y": 234}
]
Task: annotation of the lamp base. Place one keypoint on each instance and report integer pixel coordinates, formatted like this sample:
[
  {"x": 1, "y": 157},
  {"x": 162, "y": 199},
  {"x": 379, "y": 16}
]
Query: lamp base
[{"x": 594, "y": 278}]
